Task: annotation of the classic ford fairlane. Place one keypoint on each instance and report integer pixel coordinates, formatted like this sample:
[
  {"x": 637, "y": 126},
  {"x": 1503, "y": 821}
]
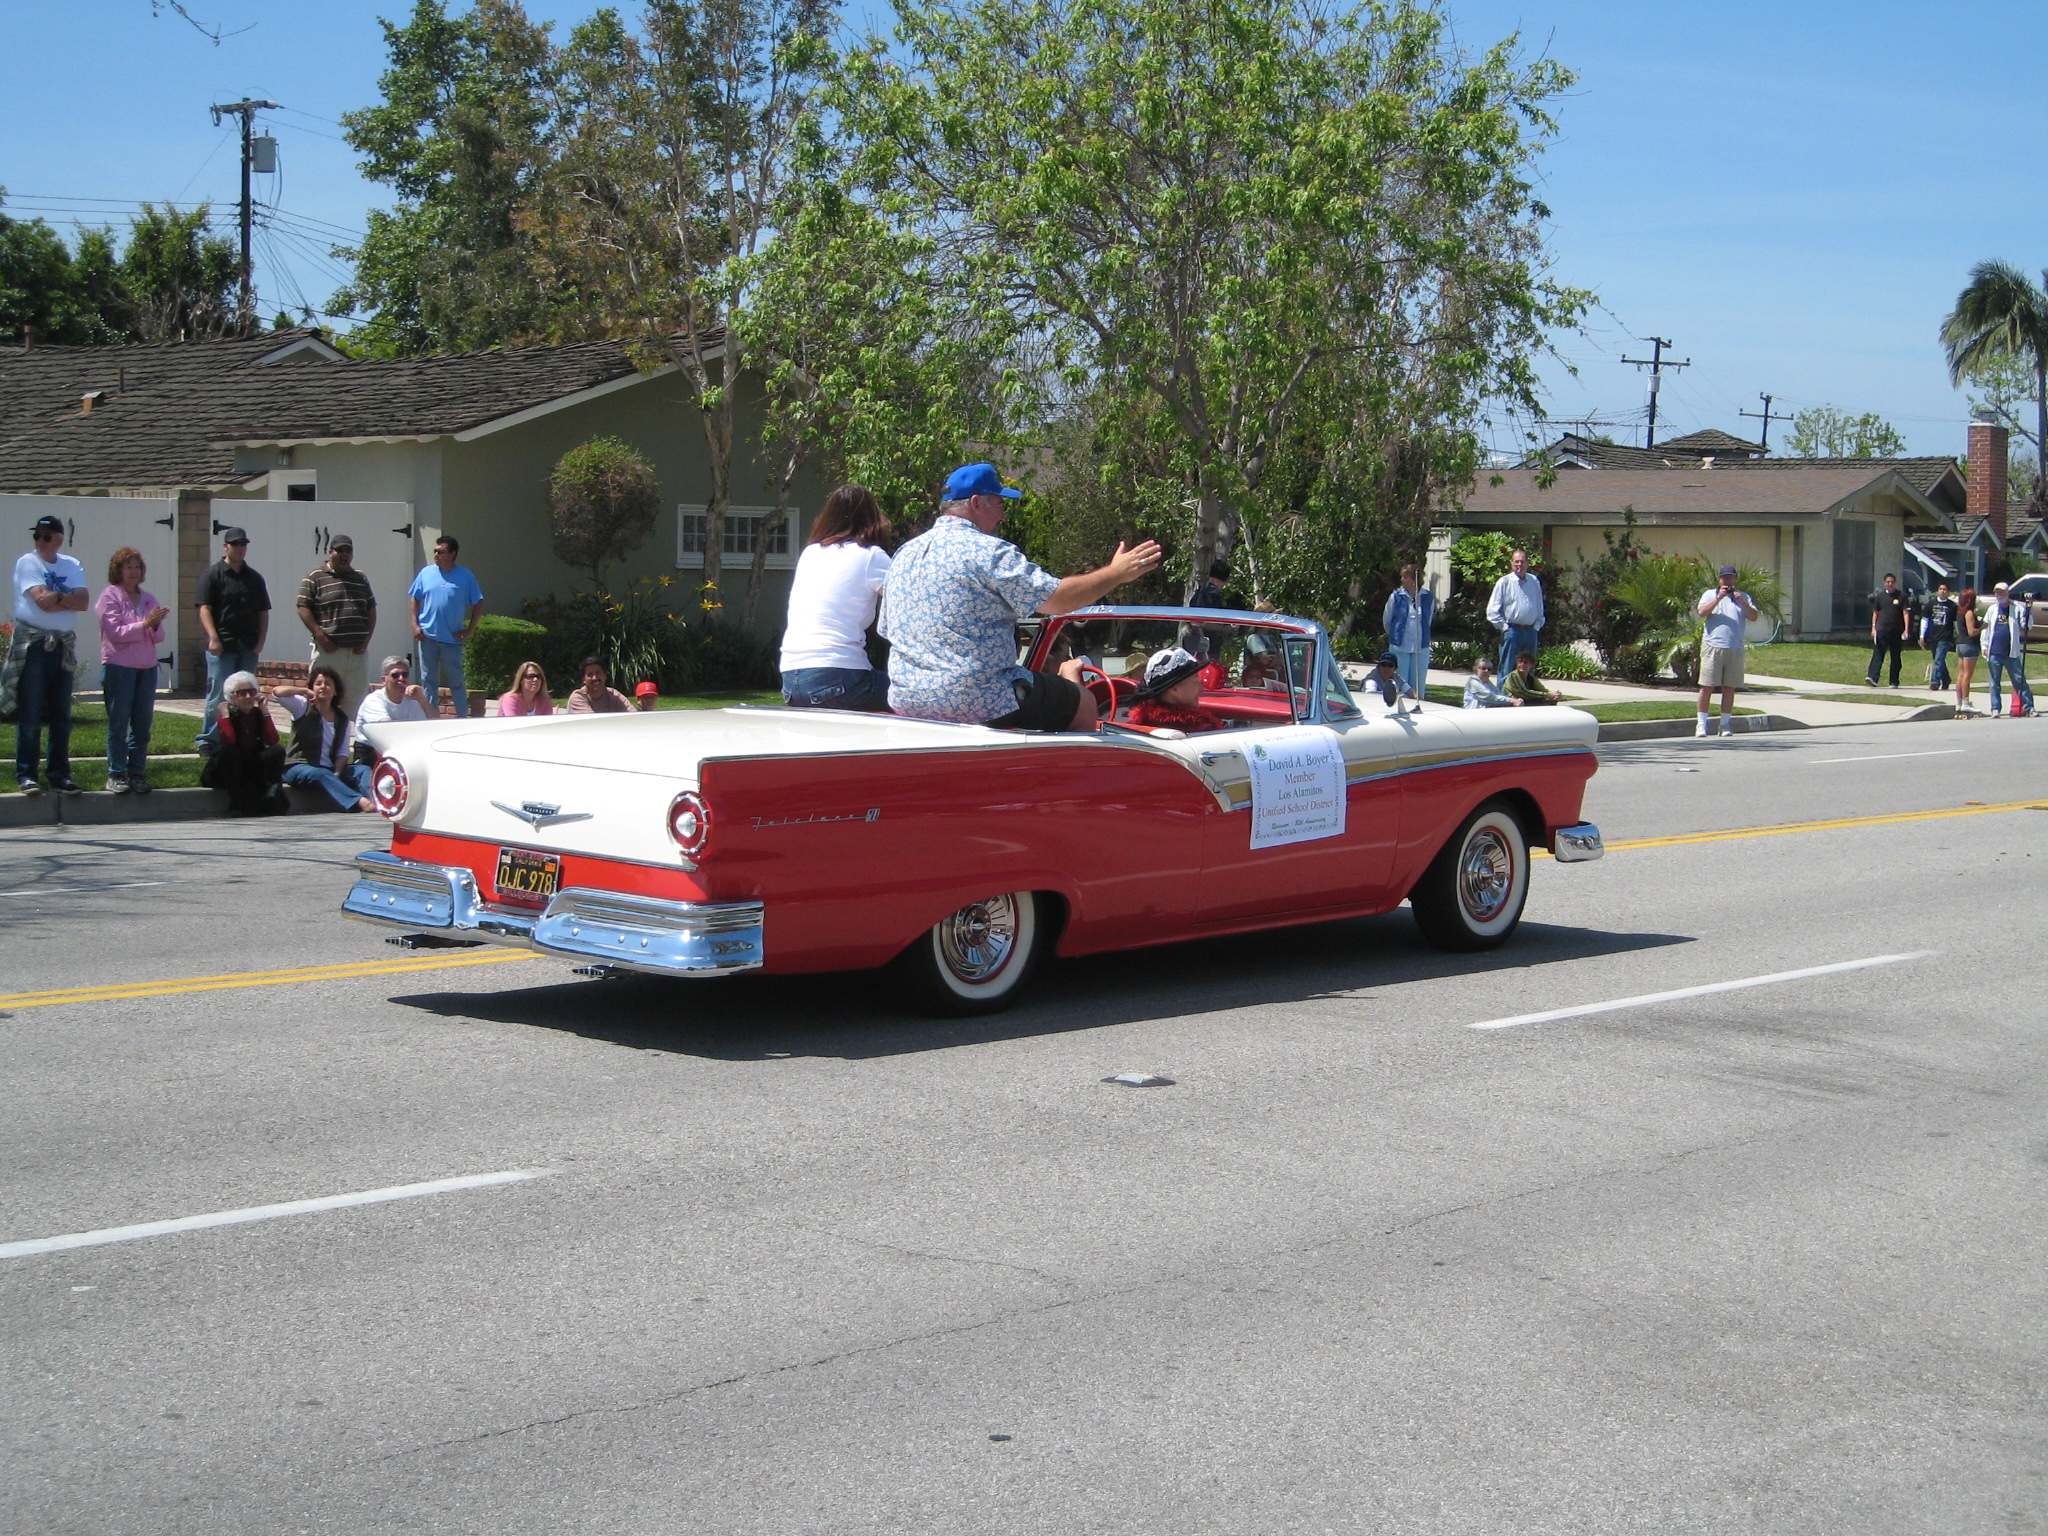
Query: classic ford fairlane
[{"x": 715, "y": 842}]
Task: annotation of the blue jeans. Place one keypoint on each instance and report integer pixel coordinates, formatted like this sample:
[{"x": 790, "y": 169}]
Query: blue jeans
[
  {"x": 1519, "y": 638},
  {"x": 130, "y": 693},
  {"x": 346, "y": 787},
  {"x": 441, "y": 667},
  {"x": 2015, "y": 668},
  {"x": 1938, "y": 679},
  {"x": 1414, "y": 670},
  {"x": 836, "y": 688},
  {"x": 45, "y": 695},
  {"x": 232, "y": 659}
]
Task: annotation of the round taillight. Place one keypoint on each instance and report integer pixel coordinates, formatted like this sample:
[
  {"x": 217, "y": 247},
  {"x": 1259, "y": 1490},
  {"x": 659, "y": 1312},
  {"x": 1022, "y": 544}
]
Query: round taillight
[
  {"x": 388, "y": 787},
  {"x": 689, "y": 823}
]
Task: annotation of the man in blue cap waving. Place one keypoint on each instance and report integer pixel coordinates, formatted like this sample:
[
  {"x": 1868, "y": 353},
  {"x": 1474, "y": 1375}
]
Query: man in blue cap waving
[{"x": 950, "y": 612}]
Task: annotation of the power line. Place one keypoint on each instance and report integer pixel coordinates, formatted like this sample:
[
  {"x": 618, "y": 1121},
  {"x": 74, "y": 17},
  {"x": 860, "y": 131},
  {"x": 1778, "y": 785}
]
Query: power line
[
  {"x": 1656, "y": 362},
  {"x": 1766, "y": 418}
]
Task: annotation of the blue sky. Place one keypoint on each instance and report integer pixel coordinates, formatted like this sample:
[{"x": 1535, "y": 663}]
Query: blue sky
[{"x": 1791, "y": 192}]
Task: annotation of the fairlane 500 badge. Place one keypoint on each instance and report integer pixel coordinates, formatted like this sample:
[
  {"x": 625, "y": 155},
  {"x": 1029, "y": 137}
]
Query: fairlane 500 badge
[{"x": 873, "y": 814}]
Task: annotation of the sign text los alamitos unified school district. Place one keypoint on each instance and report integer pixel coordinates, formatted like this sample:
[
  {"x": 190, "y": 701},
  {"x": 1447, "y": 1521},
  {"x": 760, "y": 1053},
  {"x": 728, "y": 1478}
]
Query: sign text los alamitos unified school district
[{"x": 1297, "y": 785}]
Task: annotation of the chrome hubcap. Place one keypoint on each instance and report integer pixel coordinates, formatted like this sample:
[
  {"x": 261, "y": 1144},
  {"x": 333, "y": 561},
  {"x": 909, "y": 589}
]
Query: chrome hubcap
[
  {"x": 1486, "y": 875},
  {"x": 976, "y": 942}
]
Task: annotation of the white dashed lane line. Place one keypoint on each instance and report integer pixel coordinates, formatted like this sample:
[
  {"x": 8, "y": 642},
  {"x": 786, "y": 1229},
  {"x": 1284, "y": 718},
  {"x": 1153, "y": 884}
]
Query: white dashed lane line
[
  {"x": 1648, "y": 998},
  {"x": 1883, "y": 757}
]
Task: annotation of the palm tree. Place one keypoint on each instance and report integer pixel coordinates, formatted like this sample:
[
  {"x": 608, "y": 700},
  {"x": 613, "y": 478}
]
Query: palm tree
[{"x": 2001, "y": 314}]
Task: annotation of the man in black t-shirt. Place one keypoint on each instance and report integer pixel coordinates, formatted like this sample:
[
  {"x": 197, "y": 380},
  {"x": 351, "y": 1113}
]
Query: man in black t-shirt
[
  {"x": 1890, "y": 613},
  {"x": 1938, "y": 634},
  {"x": 234, "y": 610}
]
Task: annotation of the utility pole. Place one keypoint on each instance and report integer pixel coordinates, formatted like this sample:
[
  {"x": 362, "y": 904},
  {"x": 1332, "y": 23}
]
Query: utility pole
[
  {"x": 1656, "y": 362},
  {"x": 247, "y": 111},
  {"x": 1765, "y": 417}
]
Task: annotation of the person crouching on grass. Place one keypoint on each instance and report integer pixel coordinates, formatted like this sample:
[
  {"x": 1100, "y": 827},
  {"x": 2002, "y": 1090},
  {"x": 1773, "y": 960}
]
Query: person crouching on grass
[
  {"x": 1172, "y": 695},
  {"x": 1524, "y": 687}
]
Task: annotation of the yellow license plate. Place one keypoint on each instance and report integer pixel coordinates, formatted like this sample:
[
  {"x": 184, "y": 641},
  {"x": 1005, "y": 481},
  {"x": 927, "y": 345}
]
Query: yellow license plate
[{"x": 527, "y": 876}]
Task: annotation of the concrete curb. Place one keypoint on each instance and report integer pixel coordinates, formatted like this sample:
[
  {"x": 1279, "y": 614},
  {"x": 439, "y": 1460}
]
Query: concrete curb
[
  {"x": 1664, "y": 730},
  {"x": 99, "y": 809}
]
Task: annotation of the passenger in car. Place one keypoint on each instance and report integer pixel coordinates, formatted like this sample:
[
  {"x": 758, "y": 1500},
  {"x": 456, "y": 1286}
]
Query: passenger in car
[{"x": 1171, "y": 696}]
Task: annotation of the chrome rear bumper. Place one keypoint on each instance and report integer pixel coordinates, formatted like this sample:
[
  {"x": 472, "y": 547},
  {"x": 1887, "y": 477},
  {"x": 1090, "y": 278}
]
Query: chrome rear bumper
[
  {"x": 636, "y": 933},
  {"x": 1577, "y": 845}
]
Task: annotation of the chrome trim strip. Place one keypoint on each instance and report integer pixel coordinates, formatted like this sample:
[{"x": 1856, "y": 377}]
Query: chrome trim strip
[
  {"x": 1577, "y": 845},
  {"x": 638, "y": 933},
  {"x": 1369, "y": 770}
]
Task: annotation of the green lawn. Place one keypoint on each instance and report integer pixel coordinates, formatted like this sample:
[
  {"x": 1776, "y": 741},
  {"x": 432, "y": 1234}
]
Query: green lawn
[
  {"x": 170, "y": 734},
  {"x": 719, "y": 700},
  {"x": 1651, "y": 709},
  {"x": 1827, "y": 663},
  {"x": 1899, "y": 700},
  {"x": 179, "y": 773}
]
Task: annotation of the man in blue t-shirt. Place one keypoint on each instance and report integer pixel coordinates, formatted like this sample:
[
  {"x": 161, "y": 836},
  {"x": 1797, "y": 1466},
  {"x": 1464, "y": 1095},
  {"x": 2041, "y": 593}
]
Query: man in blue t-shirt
[{"x": 446, "y": 603}]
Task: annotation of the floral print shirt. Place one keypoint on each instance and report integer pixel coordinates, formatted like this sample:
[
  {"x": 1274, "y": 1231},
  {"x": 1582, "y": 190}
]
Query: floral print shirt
[{"x": 950, "y": 612}]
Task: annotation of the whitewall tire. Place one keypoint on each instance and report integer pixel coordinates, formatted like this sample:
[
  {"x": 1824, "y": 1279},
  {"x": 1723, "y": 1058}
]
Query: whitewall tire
[
  {"x": 1472, "y": 895},
  {"x": 975, "y": 959}
]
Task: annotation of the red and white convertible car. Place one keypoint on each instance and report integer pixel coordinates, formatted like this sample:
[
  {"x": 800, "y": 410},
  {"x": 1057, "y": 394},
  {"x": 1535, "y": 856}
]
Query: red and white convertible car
[{"x": 704, "y": 843}]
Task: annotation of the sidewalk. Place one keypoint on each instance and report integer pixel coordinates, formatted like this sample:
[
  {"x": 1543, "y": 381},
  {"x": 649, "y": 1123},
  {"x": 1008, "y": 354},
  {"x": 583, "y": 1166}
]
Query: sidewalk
[{"x": 1795, "y": 705}]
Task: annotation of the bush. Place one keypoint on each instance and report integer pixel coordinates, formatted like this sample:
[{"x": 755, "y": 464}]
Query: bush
[
  {"x": 1458, "y": 655},
  {"x": 602, "y": 502},
  {"x": 498, "y": 647},
  {"x": 1563, "y": 662},
  {"x": 1636, "y": 663},
  {"x": 724, "y": 656},
  {"x": 639, "y": 637}
]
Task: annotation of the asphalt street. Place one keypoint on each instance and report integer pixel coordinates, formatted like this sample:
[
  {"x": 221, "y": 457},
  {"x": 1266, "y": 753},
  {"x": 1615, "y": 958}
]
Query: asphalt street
[{"x": 1758, "y": 1260}]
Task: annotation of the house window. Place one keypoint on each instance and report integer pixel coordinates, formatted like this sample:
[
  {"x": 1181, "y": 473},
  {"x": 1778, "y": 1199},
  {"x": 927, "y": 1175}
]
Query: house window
[
  {"x": 737, "y": 546},
  {"x": 305, "y": 492},
  {"x": 1855, "y": 573}
]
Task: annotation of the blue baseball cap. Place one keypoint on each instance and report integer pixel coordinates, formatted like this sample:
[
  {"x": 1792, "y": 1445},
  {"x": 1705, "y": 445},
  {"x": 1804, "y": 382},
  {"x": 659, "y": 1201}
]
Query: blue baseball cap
[{"x": 976, "y": 480}]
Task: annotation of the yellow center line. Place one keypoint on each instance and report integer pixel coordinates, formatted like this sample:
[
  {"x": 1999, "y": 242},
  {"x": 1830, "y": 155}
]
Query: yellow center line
[
  {"x": 118, "y": 991},
  {"x": 1839, "y": 824}
]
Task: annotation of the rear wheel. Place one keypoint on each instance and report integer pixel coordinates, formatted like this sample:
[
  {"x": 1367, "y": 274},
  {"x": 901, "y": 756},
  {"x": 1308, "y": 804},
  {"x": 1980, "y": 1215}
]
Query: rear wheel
[
  {"x": 1471, "y": 896},
  {"x": 973, "y": 961}
]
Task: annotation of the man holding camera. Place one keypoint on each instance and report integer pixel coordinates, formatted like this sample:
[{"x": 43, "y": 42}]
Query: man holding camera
[{"x": 1727, "y": 611}]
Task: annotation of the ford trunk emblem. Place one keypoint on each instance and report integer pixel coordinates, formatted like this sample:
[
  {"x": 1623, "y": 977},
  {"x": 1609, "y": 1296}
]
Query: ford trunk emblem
[{"x": 538, "y": 813}]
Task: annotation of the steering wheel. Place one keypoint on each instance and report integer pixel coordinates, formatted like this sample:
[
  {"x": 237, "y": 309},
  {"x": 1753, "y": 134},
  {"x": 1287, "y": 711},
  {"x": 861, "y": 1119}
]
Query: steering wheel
[{"x": 1106, "y": 690}]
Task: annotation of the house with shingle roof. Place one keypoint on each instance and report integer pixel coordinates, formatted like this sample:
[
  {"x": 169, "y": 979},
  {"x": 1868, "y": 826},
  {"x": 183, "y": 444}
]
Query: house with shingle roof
[
  {"x": 1829, "y": 528},
  {"x": 464, "y": 442}
]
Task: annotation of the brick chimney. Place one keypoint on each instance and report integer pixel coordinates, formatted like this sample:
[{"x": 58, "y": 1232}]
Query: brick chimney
[{"x": 1987, "y": 476}]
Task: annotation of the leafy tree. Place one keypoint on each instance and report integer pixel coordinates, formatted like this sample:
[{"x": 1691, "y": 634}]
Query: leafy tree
[
  {"x": 602, "y": 501},
  {"x": 174, "y": 281},
  {"x": 1824, "y": 432},
  {"x": 675, "y": 145},
  {"x": 1300, "y": 246},
  {"x": 39, "y": 290},
  {"x": 460, "y": 135},
  {"x": 1999, "y": 326}
]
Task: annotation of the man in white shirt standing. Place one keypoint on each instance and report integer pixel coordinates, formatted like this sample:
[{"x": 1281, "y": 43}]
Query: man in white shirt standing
[
  {"x": 49, "y": 595},
  {"x": 1727, "y": 610},
  {"x": 1516, "y": 610}
]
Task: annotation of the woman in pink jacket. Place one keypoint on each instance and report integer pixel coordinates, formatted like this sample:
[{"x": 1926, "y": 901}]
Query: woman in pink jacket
[{"x": 131, "y": 628}]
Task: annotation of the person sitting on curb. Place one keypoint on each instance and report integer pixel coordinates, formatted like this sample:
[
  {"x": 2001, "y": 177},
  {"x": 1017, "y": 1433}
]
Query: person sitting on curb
[
  {"x": 1481, "y": 691},
  {"x": 399, "y": 698},
  {"x": 1386, "y": 681},
  {"x": 246, "y": 764},
  {"x": 528, "y": 694},
  {"x": 318, "y": 757},
  {"x": 645, "y": 693},
  {"x": 1523, "y": 687},
  {"x": 596, "y": 697},
  {"x": 1172, "y": 694}
]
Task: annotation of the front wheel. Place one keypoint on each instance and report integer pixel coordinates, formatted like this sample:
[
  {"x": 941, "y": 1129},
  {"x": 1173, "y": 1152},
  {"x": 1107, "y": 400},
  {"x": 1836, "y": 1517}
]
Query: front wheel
[
  {"x": 1471, "y": 896},
  {"x": 973, "y": 961}
]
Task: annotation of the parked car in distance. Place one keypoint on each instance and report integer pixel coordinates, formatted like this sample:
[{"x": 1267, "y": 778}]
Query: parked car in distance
[{"x": 707, "y": 843}]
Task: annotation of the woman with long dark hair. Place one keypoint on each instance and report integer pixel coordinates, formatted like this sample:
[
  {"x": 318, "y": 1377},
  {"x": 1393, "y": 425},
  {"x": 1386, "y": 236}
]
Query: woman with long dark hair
[
  {"x": 832, "y": 602},
  {"x": 318, "y": 756},
  {"x": 1969, "y": 645}
]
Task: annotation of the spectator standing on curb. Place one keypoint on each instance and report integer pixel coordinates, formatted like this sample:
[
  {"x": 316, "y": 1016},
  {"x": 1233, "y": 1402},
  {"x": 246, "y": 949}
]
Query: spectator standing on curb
[
  {"x": 246, "y": 764},
  {"x": 1409, "y": 616},
  {"x": 42, "y": 657},
  {"x": 596, "y": 696},
  {"x": 2005, "y": 647},
  {"x": 340, "y": 612},
  {"x": 318, "y": 757},
  {"x": 1969, "y": 645},
  {"x": 1482, "y": 691},
  {"x": 234, "y": 610},
  {"x": 1891, "y": 613},
  {"x": 396, "y": 697},
  {"x": 1938, "y": 634},
  {"x": 1516, "y": 610},
  {"x": 131, "y": 628},
  {"x": 1523, "y": 686},
  {"x": 1727, "y": 611},
  {"x": 446, "y": 603}
]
